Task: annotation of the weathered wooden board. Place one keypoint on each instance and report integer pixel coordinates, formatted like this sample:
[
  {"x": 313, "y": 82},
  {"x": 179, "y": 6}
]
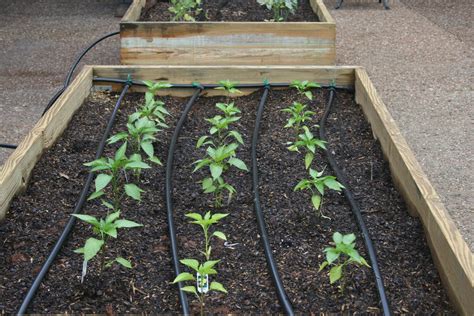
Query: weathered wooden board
[
  {"x": 451, "y": 253},
  {"x": 224, "y": 43},
  {"x": 17, "y": 169}
]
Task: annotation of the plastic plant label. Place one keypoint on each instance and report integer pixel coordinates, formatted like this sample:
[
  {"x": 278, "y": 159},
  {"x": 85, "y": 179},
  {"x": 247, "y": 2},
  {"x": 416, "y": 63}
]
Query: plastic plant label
[{"x": 202, "y": 283}]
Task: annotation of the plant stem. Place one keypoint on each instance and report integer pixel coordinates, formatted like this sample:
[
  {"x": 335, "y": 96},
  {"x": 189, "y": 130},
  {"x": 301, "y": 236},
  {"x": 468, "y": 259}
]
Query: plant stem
[
  {"x": 206, "y": 237},
  {"x": 102, "y": 258},
  {"x": 203, "y": 304}
]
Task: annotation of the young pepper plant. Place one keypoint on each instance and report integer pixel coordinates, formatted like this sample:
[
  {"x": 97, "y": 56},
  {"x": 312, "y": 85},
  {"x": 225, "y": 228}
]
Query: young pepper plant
[
  {"x": 298, "y": 116},
  {"x": 307, "y": 141},
  {"x": 229, "y": 87},
  {"x": 103, "y": 228},
  {"x": 202, "y": 287},
  {"x": 221, "y": 152},
  {"x": 206, "y": 222},
  {"x": 112, "y": 173},
  {"x": 340, "y": 256},
  {"x": 280, "y": 8},
  {"x": 304, "y": 87},
  {"x": 185, "y": 10},
  {"x": 219, "y": 160},
  {"x": 316, "y": 185},
  {"x": 204, "y": 270},
  {"x": 141, "y": 136},
  {"x": 152, "y": 109}
]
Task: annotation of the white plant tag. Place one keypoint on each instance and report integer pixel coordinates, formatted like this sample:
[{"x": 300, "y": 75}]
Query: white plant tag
[{"x": 202, "y": 283}]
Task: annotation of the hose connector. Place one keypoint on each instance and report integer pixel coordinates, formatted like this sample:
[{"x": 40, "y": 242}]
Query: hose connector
[
  {"x": 332, "y": 86},
  {"x": 129, "y": 81},
  {"x": 266, "y": 84},
  {"x": 197, "y": 85}
]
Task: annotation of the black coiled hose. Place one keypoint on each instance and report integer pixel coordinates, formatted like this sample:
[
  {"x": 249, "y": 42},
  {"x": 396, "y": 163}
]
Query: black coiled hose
[
  {"x": 282, "y": 296},
  {"x": 355, "y": 209},
  {"x": 72, "y": 220},
  {"x": 169, "y": 198},
  {"x": 67, "y": 81}
]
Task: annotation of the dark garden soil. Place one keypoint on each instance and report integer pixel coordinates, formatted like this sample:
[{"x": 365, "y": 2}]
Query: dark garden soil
[
  {"x": 297, "y": 235},
  {"x": 230, "y": 11}
]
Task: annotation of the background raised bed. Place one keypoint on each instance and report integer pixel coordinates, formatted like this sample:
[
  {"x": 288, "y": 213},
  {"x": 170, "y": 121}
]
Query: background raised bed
[
  {"x": 450, "y": 252},
  {"x": 223, "y": 43}
]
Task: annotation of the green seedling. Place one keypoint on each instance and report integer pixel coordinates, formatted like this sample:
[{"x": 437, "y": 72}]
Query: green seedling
[
  {"x": 340, "y": 256},
  {"x": 202, "y": 287},
  {"x": 219, "y": 131},
  {"x": 304, "y": 87},
  {"x": 281, "y": 8},
  {"x": 316, "y": 185},
  {"x": 152, "y": 109},
  {"x": 112, "y": 172},
  {"x": 185, "y": 10},
  {"x": 299, "y": 115},
  {"x": 153, "y": 86},
  {"x": 219, "y": 160},
  {"x": 220, "y": 152},
  {"x": 229, "y": 87},
  {"x": 309, "y": 143},
  {"x": 206, "y": 222},
  {"x": 103, "y": 229},
  {"x": 141, "y": 135}
]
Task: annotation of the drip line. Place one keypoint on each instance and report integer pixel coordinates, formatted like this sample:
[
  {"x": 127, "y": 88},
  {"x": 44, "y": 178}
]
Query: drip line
[
  {"x": 169, "y": 198},
  {"x": 355, "y": 209},
  {"x": 72, "y": 220},
  {"x": 282, "y": 296}
]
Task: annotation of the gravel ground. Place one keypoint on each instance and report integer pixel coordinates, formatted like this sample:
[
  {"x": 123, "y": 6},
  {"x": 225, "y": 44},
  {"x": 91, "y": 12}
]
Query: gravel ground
[
  {"x": 422, "y": 67},
  {"x": 38, "y": 42}
]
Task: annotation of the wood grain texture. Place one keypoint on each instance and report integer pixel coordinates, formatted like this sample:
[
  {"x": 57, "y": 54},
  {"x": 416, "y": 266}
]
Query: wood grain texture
[
  {"x": 134, "y": 11},
  {"x": 451, "y": 253},
  {"x": 342, "y": 75},
  {"x": 223, "y": 43},
  {"x": 321, "y": 11},
  {"x": 16, "y": 172}
]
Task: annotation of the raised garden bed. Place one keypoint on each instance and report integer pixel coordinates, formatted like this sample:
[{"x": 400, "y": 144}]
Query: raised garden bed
[
  {"x": 223, "y": 43},
  {"x": 296, "y": 235}
]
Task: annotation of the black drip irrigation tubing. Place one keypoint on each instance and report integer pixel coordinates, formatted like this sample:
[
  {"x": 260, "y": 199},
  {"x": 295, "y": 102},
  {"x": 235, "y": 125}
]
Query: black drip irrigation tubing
[
  {"x": 72, "y": 220},
  {"x": 355, "y": 209},
  {"x": 67, "y": 81},
  {"x": 169, "y": 197},
  {"x": 282, "y": 296},
  {"x": 213, "y": 86},
  {"x": 9, "y": 146}
]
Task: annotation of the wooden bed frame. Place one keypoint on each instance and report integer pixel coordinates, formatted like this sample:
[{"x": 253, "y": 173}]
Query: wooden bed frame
[
  {"x": 227, "y": 43},
  {"x": 451, "y": 253}
]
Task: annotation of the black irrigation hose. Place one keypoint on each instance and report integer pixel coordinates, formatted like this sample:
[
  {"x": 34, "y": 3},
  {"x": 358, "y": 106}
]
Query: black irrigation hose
[
  {"x": 67, "y": 81},
  {"x": 355, "y": 210},
  {"x": 213, "y": 86},
  {"x": 9, "y": 146},
  {"x": 169, "y": 198},
  {"x": 282, "y": 296},
  {"x": 80, "y": 203}
]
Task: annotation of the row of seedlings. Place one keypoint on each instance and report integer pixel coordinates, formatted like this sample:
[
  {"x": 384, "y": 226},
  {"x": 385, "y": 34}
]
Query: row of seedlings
[
  {"x": 221, "y": 145},
  {"x": 343, "y": 253},
  {"x": 118, "y": 177}
]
